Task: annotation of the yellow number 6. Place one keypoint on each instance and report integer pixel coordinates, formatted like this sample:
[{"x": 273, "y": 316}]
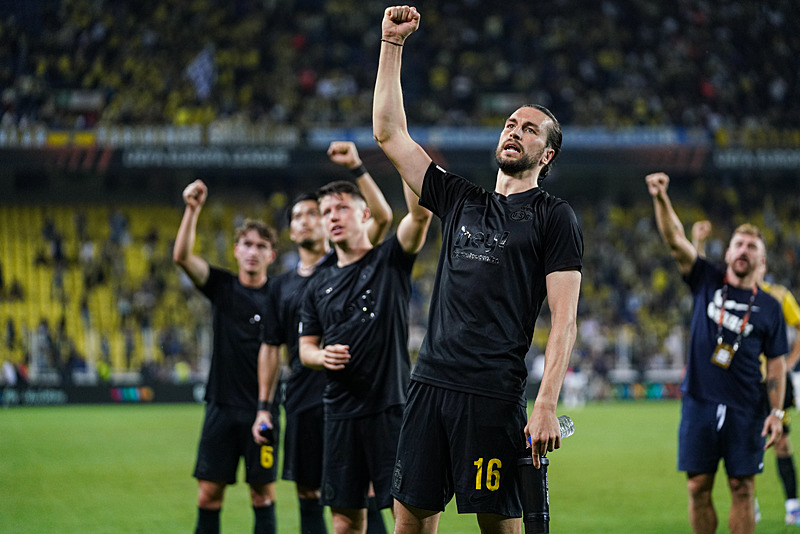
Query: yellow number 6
[{"x": 266, "y": 456}]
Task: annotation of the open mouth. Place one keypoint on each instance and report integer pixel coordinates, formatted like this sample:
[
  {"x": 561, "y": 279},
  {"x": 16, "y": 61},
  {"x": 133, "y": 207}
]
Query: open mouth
[{"x": 511, "y": 148}]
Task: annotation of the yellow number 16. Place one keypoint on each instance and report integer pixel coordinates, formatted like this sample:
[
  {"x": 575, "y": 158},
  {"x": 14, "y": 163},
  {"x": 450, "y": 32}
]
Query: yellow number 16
[{"x": 492, "y": 474}]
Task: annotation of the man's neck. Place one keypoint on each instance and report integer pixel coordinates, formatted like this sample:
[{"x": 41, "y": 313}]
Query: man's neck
[
  {"x": 507, "y": 184},
  {"x": 252, "y": 280},
  {"x": 742, "y": 282},
  {"x": 310, "y": 257},
  {"x": 347, "y": 254}
]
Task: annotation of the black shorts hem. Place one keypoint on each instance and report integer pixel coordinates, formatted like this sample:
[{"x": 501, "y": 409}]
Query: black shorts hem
[{"x": 398, "y": 497}]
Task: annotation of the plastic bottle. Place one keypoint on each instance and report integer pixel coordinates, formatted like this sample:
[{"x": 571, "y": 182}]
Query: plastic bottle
[{"x": 566, "y": 425}]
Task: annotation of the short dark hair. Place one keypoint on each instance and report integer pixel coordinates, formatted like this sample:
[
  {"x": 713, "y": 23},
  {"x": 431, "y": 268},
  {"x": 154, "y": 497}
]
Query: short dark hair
[
  {"x": 266, "y": 232},
  {"x": 302, "y": 197},
  {"x": 554, "y": 137},
  {"x": 340, "y": 187}
]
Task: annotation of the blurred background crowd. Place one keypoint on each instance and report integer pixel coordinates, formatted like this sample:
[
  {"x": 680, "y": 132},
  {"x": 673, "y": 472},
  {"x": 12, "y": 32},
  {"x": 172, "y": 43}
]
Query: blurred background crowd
[
  {"x": 610, "y": 63},
  {"x": 90, "y": 293}
]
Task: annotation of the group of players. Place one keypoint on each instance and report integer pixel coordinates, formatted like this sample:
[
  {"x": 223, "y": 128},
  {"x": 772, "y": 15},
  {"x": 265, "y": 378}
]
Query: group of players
[
  {"x": 367, "y": 424},
  {"x": 361, "y": 422}
]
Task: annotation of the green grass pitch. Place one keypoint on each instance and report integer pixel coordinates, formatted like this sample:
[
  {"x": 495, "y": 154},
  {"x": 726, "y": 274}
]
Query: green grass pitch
[{"x": 127, "y": 469}]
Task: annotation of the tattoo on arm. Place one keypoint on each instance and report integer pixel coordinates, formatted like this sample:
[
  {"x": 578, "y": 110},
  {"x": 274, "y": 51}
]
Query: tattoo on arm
[{"x": 772, "y": 384}]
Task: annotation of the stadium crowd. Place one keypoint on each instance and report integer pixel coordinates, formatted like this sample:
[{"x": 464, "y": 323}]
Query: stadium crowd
[
  {"x": 627, "y": 316},
  {"x": 311, "y": 63}
]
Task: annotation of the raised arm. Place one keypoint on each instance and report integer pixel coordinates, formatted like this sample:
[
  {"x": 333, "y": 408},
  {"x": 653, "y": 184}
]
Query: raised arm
[
  {"x": 413, "y": 228},
  {"x": 669, "y": 225},
  {"x": 194, "y": 266},
  {"x": 345, "y": 153},
  {"x": 563, "y": 289},
  {"x": 268, "y": 373},
  {"x": 388, "y": 114},
  {"x": 700, "y": 232}
]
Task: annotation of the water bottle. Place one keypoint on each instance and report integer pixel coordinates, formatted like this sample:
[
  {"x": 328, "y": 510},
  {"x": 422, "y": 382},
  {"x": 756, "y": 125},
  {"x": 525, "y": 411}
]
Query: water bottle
[
  {"x": 566, "y": 425},
  {"x": 535, "y": 487}
]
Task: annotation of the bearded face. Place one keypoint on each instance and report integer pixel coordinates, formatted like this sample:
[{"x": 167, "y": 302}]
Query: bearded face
[
  {"x": 515, "y": 166},
  {"x": 745, "y": 254}
]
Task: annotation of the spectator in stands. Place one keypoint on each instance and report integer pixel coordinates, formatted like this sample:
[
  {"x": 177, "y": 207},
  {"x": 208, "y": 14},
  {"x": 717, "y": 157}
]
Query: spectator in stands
[
  {"x": 640, "y": 61},
  {"x": 231, "y": 397}
]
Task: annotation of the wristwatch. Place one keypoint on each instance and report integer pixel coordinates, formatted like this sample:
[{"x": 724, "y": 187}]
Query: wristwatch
[{"x": 780, "y": 414}]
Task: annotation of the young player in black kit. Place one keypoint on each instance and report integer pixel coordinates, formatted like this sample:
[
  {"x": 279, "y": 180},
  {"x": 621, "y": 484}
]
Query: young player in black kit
[
  {"x": 355, "y": 326},
  {"x": 238, "y": 301},
  {"x": 303, "y": 438},
  {"x": 464, "y": 425}
]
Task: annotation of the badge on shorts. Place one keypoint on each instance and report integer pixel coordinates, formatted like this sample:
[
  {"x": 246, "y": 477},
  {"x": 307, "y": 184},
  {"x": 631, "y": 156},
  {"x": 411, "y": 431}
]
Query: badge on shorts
[{"x": 723, "y": 355}]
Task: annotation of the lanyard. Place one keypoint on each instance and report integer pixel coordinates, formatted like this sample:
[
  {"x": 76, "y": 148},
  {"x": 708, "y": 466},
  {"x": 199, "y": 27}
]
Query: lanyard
[{"x": 745, "y": 319}]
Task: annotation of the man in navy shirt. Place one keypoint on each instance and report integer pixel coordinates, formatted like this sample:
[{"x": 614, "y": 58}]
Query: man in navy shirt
[{"x": 725, "y": 414}]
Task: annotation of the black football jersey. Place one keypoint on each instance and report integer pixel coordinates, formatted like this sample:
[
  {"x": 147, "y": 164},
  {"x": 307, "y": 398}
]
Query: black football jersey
[
  {"x": 304, "y": 386},
  {"x": 490, "y": 282},
  {"x": 364, "y": 305},
  {"x": 237, "y": 319}
]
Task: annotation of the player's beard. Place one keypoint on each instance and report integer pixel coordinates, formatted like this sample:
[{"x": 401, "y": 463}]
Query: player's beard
[
  {"x": 308, "y": 244},
  {"x": 743, "y": 272},
  {"x": 515, "y": 167}
]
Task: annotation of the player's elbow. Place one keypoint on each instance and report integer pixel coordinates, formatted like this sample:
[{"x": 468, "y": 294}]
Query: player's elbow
[
  {"x": 387, "y": 134},
  {"x": 381, "y": 137}
]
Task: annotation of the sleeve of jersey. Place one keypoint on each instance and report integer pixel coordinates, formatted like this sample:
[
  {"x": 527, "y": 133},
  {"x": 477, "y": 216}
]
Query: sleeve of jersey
[
  {"x": 777, "y": 344},
  {"x": 271, "y": 328},
  {"x": 791, "y": 310},
  {"x": 697, "y": 274},
  {"x": 399, "y": 256},
  {"x": 209, "y": 289},
  {"x": 310, "y": 324},
  {"x": 564, "y": 248},
  {"x": 441, "y": 190}
]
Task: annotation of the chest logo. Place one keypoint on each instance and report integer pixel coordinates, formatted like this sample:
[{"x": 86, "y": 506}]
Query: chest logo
[{"x": 525, "y": 214}]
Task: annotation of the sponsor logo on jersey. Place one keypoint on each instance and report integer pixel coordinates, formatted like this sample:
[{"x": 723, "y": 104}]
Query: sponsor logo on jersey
[
  {"x": 729, "y": 321},
  {"x": 485, "y": 246}
]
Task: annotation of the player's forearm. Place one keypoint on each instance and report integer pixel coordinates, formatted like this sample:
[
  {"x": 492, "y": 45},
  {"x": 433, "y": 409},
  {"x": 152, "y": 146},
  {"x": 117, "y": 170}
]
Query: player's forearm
[
  {"x": 194, "y": 266},
  {"x": 268, "y": 371},
  {"x": 388, "y": 113},
  {"x": 776, "y": 382},
  {"x": 556, "y": 361},
  {"x": 311, "y": 355},
  {"x": 379, "y": 208},
  {"x": 413, "y": 229},
  {"x": 184, "y": 240},
  {"x": 668, "y": 222}
]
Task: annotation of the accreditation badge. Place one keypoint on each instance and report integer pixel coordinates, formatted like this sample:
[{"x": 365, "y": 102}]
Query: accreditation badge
[{"x": 723, "y": 355}]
